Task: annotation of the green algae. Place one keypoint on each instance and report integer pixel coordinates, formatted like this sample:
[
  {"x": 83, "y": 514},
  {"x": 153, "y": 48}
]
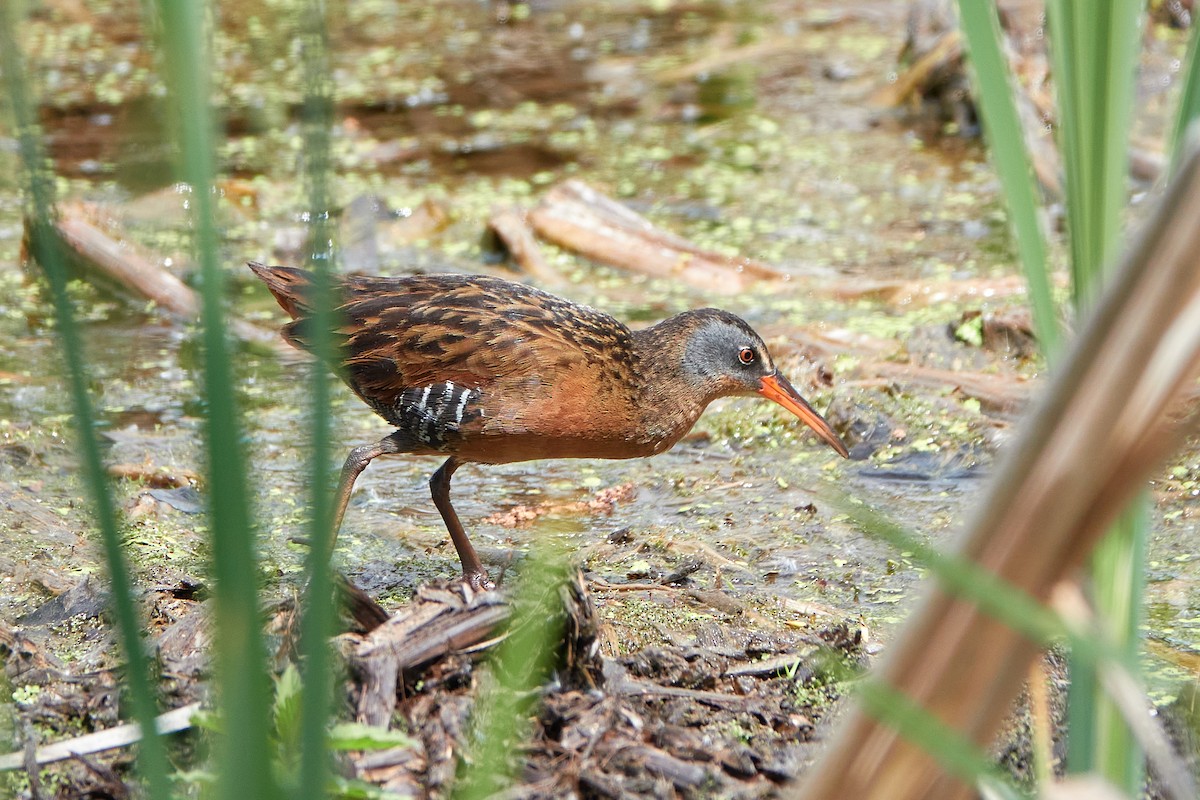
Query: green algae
[{"x": 799, "y": 176}]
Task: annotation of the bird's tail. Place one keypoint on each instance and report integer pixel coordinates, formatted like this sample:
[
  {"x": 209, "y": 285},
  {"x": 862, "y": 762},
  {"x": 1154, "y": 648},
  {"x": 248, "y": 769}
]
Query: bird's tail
[{"x": 292, "y": 287}]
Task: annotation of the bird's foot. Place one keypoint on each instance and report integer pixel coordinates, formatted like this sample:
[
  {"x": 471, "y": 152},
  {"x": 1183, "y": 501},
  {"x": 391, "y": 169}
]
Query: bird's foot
[{"x": 479, "y": 581}]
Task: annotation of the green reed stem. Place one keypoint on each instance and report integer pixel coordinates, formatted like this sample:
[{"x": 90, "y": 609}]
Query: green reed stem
[
  {"x": 244, "y": 686},
  {"x": 1100, "y": 739},
  {"x": 317, "y": 623},
  {"x": 957, "y": 755},
  {"x": 522, "y": 663},
  {"x": 1094, "y": 47},
  {"x": 1189, "y": 99},
  {"x": 48, "y": 250},
  {"x": 1006, "y": 145}
]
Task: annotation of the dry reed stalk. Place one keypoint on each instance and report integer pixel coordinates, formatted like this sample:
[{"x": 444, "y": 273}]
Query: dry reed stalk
[{"x": 1109, "y": 417}]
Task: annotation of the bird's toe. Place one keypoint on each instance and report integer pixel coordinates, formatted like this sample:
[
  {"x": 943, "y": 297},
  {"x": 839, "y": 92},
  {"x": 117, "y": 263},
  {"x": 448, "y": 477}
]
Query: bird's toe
[{"x": 479, "y": 581}]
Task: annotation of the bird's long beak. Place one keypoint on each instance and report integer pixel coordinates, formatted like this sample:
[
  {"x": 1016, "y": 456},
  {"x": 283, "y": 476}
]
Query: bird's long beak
[{"x": 776, "y": 387}]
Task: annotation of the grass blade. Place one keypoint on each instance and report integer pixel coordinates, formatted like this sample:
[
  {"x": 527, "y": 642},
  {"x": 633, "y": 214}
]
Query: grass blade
[
  {"x": 958, "y": 756},
  {"x": 1006, "y": 145},
  {"x": 1115, "y": 667},
  {"x": 1100, "y": 739},
  {"x": 244, "y": 686},
  {"x": 48, "y": 251},
  {"x": 317, "y": 623},
  {"x": 522, "y": 663},
  {"x": 1094, "y": 48},
  {"x": 1189, "y": 99}
]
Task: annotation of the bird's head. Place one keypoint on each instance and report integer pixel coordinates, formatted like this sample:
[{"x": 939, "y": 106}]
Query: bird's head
[{"x": 723, "y": 356}]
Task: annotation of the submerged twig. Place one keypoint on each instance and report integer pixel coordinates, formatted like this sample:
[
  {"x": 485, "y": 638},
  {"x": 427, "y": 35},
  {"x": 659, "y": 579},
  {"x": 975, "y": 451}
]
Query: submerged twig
[{"x": 121, "y": 736}]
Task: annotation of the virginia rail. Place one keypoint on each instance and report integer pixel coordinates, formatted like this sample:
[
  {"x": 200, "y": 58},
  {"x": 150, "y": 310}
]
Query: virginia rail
[{"x": 487, "y": 371}]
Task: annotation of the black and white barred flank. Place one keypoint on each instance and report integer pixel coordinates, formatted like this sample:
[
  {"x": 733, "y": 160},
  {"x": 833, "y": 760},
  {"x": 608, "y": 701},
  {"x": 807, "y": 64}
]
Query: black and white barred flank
[{"x": 433, "y": 413}]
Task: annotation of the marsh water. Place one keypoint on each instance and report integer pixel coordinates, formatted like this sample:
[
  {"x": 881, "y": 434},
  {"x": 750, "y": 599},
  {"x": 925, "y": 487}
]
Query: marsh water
[{"x": 748, "y": 128}]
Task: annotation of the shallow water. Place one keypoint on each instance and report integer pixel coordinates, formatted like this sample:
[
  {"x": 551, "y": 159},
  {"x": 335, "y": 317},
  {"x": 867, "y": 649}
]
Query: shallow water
[{"x": 779, "y": 157}]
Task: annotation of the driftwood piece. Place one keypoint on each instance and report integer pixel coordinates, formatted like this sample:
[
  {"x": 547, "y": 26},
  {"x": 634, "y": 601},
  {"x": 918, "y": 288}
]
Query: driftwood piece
[
  {"x": 946, "y": 49},
  {"x": 997, "y": 393},
  {"x": 133, "y": 272},
  {"x": 121, "y": 263},
  {"x": 630, "y": 687},
  {"x": 576, "y": 216},
  {"x": 512, "y": 228},
  {"x": 438, "y": 621},
  {"x": 683, "y": 775},
  {"x": 361, "y": 607},
  {"x": 399, "y": 770},
  {"x": 775, "y": 665}
]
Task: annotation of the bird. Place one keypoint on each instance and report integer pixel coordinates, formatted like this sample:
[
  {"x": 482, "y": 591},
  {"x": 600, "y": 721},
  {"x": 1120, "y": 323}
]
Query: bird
[{"x": 482, "y": 370}]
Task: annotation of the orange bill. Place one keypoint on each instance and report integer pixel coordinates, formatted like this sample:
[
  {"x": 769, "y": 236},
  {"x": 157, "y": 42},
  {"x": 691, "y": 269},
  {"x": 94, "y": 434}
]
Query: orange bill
[{"x": 776, "y": 387}]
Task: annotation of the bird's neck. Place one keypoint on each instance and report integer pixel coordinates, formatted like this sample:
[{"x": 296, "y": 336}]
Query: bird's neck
[{"x": 667, "y": 404}]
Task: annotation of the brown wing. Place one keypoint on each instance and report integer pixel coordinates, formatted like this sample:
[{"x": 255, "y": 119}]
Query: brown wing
[{"x": 529, "y": 358}]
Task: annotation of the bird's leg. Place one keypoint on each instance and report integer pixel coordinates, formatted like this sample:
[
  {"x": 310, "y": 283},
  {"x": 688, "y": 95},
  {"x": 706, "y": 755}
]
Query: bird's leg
[
  {"x": 439, "y": 487},
  {"x": 356, "y": 462}
]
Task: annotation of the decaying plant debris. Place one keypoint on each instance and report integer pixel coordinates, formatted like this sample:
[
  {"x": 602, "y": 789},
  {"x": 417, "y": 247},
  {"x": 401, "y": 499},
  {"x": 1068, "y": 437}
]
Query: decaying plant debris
[
  {"x": 728, "y": 719},
  {"x": 731, "y": 714}
]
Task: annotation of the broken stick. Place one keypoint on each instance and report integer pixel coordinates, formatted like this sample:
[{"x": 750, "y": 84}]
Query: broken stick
[{"x": 579, "y": 218}]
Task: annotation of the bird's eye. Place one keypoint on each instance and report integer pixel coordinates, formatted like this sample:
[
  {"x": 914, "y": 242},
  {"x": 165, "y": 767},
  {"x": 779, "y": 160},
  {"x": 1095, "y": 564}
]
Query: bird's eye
[{"x": 746, "y": 356}]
